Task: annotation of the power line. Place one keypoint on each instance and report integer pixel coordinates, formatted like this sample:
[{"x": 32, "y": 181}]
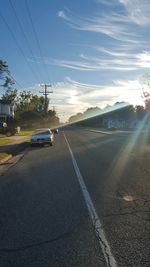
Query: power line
[
  {"x": 16, "y": 81},
  {"x": 23, "y": 32},
  {"x": 17, "y": 44},
  {"x": 35, "y": 35}
]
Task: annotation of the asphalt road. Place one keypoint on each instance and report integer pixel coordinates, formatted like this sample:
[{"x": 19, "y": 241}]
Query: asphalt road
[{"x": 44, "y": 220}]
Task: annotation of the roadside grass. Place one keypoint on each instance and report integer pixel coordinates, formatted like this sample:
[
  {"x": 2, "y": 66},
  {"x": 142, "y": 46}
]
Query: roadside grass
[
  {"x": 24, "y": 133},
  {"x": 6, "y": 141},
  {"x": 3, "y": 155}
]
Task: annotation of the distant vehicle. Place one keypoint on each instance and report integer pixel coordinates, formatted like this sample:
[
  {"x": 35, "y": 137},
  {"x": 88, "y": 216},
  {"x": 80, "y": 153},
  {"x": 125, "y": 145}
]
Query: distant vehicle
[
  {"x": 55, "y": 131},
  {"x": 7, "y": 129},
  {"x": 42, "y": 137}
]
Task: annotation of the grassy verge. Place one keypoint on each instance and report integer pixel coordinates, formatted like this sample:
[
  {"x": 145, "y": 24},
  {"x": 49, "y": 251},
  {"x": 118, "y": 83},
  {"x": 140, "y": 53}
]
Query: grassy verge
[
  {"x": 6, "y": 141},
  {"x": 24, "y": 133}
]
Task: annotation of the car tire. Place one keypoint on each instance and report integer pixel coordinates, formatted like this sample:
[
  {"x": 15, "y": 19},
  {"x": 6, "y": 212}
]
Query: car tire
[{"x": 50, "y": 143}]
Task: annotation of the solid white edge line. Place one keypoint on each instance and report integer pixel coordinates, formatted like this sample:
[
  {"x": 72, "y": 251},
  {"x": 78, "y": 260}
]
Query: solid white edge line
[{"x": 110, "y": 260}]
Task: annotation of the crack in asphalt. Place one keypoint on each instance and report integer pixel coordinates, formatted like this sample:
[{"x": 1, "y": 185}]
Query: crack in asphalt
[{"x": 8, "y": 250}]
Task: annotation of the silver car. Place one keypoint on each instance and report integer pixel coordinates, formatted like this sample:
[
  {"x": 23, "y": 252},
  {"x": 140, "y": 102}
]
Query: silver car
[{"x": 42, "y": 137}]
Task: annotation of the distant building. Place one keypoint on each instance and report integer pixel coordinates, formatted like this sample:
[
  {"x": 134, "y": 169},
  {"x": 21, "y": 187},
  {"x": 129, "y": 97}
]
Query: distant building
[{"x": 6, "y": 110}]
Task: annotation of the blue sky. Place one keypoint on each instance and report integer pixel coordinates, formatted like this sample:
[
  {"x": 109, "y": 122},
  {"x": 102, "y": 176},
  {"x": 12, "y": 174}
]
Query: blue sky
[{"x": 93, "y": 52}]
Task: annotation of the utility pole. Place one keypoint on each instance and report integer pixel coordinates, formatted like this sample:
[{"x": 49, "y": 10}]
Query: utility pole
[
  {"x": 54, "y": 108},
  {"x": 46, "y": 93}
]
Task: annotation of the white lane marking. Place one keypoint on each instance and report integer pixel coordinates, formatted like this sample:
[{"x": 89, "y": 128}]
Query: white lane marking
[
  {"x": 96, "y": 131},
  {"x": 110, "y": 260}
]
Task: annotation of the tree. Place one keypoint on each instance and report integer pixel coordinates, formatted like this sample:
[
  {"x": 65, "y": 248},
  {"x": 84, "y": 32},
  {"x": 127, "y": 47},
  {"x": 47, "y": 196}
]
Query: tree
[
  {"x": 10, "y": 94},
  {"x": 31, "y": 102},
  {"x": 3, "y": 69},
  {"x": 5, "y": 75},
  {"x": 75, "y": 118},
  {"x": 37, "y": 103},
  {"x": 140, "y": 111},
  {"x": 91, "y": 112},
  {"x": 29, "y": 108}
]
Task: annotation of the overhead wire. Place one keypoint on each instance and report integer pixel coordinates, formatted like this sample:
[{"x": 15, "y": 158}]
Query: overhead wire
[
  {"x": 18, "y": 45},
  {"x": 24, "y": 34},
  {"x": 13, "y": 79},
  {"x": 36, "y": 36}
]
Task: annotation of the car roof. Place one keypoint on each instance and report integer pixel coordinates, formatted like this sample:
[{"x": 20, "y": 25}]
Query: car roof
[{"x": 43, "y": 129}]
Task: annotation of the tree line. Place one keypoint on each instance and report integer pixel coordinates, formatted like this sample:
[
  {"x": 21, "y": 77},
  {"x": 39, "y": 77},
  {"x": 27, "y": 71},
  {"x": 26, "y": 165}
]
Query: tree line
[
  {"x": 29, "y": 107},
  {"x": 120, "y": 111}
]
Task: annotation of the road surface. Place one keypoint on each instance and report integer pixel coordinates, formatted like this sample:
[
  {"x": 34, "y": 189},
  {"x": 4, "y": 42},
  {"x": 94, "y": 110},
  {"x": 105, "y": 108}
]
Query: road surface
[{"x": 45, "y": 219}]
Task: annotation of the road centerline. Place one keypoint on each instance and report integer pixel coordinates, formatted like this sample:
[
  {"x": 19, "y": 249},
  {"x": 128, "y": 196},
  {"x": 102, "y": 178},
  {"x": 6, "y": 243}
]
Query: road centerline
[{"x": 110, "y": 260}]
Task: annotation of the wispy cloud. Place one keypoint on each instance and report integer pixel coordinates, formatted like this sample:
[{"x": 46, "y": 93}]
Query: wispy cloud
[
  {"x": 94, "y": 64},
  {"x": 107, "y": 2},
  {"x": 120, "y": 24},
  {"x": 112, "y": 25},
  {"x": 117, "y": 23},
  {"x": 107, "y": 60},
  {"x": 143, "y": 59},
  {"x": 78, "y": 96},
  {"x": 112, "y": 52},
  {"x": 62, "y": 15},
  {"x": 137, "y": 11}
]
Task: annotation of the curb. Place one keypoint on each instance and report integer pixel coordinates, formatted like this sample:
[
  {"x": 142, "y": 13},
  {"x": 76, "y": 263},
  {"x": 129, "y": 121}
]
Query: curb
[
  {"x": 2, "y": 161},
  {"x": 18, "y": 149}
]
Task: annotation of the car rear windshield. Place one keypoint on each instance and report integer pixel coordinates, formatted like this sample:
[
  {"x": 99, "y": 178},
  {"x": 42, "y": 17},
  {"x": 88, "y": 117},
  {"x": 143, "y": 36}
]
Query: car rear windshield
[{"x": 41, "y": 132}]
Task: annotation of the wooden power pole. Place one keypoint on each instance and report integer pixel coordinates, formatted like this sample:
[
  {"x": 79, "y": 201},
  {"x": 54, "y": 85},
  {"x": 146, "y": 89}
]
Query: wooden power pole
[{"x": 46, "y": 93}]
